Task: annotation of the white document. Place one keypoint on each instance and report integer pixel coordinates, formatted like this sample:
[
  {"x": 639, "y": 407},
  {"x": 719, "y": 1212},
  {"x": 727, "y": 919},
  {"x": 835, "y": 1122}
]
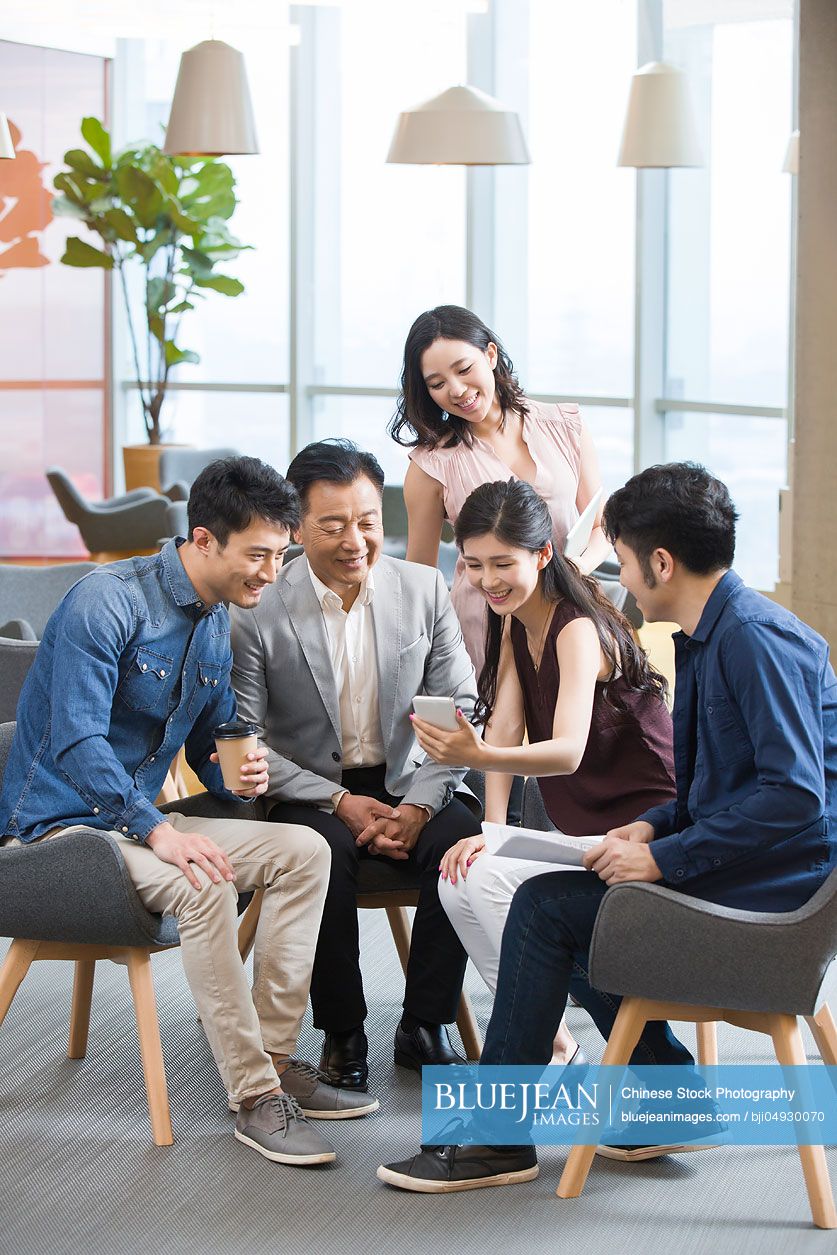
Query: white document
[
  {"x": 539, "y": 847},
  {"x": 578, "y": 537}
]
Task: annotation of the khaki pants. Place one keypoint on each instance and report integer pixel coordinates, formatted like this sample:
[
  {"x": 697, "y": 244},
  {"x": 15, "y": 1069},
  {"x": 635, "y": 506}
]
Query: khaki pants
[{"x": 291, "y": 864}]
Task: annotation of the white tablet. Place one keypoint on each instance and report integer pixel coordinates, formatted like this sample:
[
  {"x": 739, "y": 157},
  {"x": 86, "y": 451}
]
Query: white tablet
[{"x": 578, "y": 537}]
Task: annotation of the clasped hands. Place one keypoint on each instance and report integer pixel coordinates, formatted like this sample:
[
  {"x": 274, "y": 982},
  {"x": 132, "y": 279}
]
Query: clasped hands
[{"x": 390, "y": 830}]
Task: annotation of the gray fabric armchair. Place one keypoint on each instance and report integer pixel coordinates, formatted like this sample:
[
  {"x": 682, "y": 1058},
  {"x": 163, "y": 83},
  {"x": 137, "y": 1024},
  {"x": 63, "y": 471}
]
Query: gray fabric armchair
[
  {"x": 179, "y": 468},
  {"x": 29, "y": 594},
  {"x": 668, "y": 955},
  {"x": 131, "y": 524},
  {"x": 72, "y": 898},
  {"x": 16, "y": 657}
]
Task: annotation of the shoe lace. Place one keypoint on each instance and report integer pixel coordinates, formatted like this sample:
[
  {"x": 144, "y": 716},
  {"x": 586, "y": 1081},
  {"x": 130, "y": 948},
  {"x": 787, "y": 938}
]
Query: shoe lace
[
  {"x": 283, "y": 1108},
  {"x": 301, "y": 1068}
]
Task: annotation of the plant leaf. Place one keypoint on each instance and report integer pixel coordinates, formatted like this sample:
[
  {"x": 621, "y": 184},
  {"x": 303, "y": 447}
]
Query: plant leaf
[
  {"x": 174, "y": 355},
  {"x": 221, "y": 283},
  {"x": 140, "y": 194},
  {"x": 64, "y": 207},
  {"x": 98, "y": 139},
  {"x": 122, "y": 224},
  {"x": 158, "y": 293},
  {"x": 80, "y": 253},
  {"x": 78, "y": 159}
]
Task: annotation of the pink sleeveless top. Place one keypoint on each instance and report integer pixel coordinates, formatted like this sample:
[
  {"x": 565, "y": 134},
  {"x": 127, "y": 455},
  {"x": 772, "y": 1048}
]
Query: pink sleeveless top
[{"x": 553, "y": 436}]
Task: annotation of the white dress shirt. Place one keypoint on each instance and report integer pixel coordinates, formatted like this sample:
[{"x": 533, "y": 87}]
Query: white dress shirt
[{"x": 354, "y": 661}]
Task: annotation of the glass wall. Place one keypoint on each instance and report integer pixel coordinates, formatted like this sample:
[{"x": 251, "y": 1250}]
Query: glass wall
[
  {"x": 53, "y": 394},
  {"x": 729, "y": 263}
]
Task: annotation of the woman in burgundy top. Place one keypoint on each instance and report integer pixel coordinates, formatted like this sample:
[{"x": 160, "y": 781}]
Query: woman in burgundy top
[{"x": 563, "y": 671}]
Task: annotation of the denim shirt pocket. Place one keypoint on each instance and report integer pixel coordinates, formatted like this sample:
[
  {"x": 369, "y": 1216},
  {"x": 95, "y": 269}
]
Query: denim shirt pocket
[
  {"x": 726, "y": 733},
  {"x": 209, "y": 676},
  {"x": 146, "y": 684}
]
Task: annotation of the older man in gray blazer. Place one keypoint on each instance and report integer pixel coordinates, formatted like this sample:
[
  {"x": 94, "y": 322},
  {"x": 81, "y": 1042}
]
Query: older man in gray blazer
[{"x": 328, "y": 664}]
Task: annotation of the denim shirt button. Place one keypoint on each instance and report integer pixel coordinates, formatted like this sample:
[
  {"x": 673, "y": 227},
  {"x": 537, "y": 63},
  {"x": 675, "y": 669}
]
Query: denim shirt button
[
  {"x": 679, "y": 873},
  {"x": 152, "y": 758},
  {"x": 145, "y": 666},
  {"x": 710, "y": 710},
  {"x": 124, "y": 829},
  {"x": 162, "y": 673},
  {"x": 95, "y": 810},
  {"x": 214, "y": 683}
]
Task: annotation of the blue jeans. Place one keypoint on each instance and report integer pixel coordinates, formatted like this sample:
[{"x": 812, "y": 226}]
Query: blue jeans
[{"x": 543, "y": 958}]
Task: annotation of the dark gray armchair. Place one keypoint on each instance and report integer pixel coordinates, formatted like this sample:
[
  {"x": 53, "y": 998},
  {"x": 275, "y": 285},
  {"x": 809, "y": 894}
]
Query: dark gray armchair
[
  {"x": 16, "y": 657},
  {"x": 670, "y": 957},
  {"x": 133, "y": 523},
  {"x": 72, "y": 898}
]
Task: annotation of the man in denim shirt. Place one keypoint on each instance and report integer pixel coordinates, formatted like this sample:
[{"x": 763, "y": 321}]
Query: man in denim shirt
[
  {"x": 752, "y": 827},
  {"x": 134, "y": 663}
]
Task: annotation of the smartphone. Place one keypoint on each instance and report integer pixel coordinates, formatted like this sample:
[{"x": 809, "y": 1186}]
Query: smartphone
[{"x": 440, "y": 711}]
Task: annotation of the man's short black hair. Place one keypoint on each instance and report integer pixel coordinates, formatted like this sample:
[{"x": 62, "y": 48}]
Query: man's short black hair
[
  {"x": 335, "y": 461},
  {"x": 229, "y": 494},
  {"x": 679, "y": 507}
]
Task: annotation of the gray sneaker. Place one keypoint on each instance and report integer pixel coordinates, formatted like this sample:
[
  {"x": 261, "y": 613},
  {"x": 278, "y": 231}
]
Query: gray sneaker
[
  {"x": 318, "y": 1098},
  {"x": 277, "y": 1129}
]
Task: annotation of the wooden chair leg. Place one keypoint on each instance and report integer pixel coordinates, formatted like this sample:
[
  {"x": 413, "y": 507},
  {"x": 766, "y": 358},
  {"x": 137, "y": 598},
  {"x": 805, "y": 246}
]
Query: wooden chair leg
[
  {"x": 825, "y": 1034},
  {"x": 707, "y": 1043},
  {"x": 399, "y": 922},
  {"x": 787, "y": 1043},
  {"x": 16, "y": 964},
  {"x": 148, "y": 1028},
  {"x": 80, "y": 1013},
  {"x": 468, "y": 1029},
  {"x": 626, "y": 1031},
  {"x": 249, "y": 923}
]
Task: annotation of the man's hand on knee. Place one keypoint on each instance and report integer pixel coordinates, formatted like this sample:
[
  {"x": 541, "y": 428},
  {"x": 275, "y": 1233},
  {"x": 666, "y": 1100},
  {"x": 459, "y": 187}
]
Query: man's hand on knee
[{"x": 183, "y": 849}]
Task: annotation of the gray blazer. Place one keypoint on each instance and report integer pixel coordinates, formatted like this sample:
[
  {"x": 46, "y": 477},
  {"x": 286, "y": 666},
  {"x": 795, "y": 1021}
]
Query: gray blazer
[{"x": 284, "y": 681}]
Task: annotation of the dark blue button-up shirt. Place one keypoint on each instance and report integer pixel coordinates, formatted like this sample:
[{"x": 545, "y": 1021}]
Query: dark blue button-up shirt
[
  {"x": 132, "y": 665},
  {"x": 755, "y": 753}
]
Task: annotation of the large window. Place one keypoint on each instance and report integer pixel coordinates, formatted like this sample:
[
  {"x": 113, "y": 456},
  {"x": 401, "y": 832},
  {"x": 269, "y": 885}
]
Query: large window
[
  {"x": 581, "y": 206},
  {"x": 390, "y": 239},
  {"x": 728, "y": 261}
]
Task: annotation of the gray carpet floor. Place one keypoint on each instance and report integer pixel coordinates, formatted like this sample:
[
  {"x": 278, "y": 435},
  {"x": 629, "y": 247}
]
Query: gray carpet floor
[{"x": 79, "y": 1172}]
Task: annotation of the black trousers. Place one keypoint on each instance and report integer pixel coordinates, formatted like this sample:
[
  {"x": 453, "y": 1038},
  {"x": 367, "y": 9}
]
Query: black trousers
[{"x": 437, "y": 960}]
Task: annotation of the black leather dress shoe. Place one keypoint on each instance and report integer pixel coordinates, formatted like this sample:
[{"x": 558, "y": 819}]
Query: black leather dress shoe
[
  {"x": 344, "y": 1059},
  {"x": 424, "y": 1046},
  {"x": 445, "y": 1169}
]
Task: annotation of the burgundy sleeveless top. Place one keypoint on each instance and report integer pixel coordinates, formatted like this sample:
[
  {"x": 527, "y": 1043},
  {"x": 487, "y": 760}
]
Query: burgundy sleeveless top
[{"x": 628, "y": 764}]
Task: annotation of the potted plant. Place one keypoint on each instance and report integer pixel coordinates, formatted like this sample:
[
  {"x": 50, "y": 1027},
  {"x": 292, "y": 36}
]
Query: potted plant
[{"x": 167, "y": 216}]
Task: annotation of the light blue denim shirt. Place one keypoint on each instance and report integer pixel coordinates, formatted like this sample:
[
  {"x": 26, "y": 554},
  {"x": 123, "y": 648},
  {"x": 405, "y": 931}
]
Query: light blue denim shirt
[
  {"x": 131, "y": 667},
  {"x": 755, "y": 756}
]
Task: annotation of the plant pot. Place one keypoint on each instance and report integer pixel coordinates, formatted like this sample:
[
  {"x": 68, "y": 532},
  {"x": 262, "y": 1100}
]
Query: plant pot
[{"x": 142, "y": 464}]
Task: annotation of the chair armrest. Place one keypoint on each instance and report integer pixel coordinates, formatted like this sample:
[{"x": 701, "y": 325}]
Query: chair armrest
[
  {"x": 128, "y": 498},
  {"x": 208, "y": 806},
  {"x": 18, "y": 630},
  {"x": 75, "y": 888},
  {"x": 653, "y": 942},
  {"x": 179, "y": 491}
]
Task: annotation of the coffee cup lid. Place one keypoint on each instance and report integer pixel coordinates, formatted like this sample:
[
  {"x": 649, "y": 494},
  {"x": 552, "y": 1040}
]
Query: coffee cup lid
[{"x": 235, "y": 729}]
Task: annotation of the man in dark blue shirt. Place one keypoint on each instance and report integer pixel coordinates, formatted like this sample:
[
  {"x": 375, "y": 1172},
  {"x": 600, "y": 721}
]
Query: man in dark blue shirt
[{"x": 752, "y": 826}]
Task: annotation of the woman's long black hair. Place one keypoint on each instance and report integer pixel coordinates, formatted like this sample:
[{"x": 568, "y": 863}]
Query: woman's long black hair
[
  {"x": 512, "y": 511},
  {"x": 419, "y": 420}
]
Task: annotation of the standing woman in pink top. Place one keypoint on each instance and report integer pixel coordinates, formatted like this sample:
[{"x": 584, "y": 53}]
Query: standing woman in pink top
[{"x": 466, "y": 421}]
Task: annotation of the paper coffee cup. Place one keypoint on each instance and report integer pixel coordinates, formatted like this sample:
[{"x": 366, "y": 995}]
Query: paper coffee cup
[{"x": 234, "y": 741}]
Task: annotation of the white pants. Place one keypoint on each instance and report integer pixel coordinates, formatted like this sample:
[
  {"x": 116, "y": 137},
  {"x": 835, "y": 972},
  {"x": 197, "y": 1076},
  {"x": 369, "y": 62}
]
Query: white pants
[{"x": 477, "y": 906}]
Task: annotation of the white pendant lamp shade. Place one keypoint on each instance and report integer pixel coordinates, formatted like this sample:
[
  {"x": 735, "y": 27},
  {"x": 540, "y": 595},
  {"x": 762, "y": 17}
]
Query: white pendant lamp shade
[
  {"x": 211, "y": 114},
  {"x": 791, "y": 162},
  {"x": 461, "y": 127},
  {"x": 7, "y": 148},
  {"x": 659, "y": 125}
]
